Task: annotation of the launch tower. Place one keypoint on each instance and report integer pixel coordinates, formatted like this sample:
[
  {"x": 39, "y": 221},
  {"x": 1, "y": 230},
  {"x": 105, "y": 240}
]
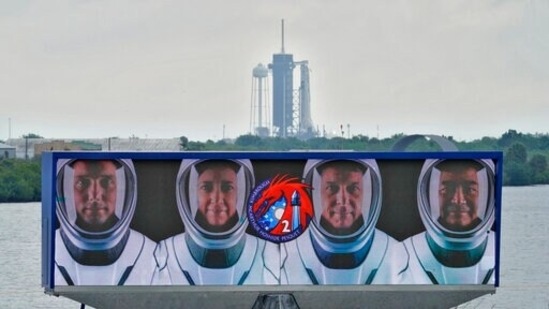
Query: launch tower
[{"x": 291, "y": 104}]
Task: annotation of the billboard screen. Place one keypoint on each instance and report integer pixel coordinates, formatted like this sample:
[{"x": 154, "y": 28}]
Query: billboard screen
[{"x": 260, "y": 218}]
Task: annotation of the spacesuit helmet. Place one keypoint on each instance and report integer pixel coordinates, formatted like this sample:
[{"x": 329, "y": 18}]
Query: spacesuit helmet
[
  {"x": 96, "y": 201},
  {"x": 212, "y": 198},
  {"x": 346, "y": 196},
  {"x": 456, "y": 201}
]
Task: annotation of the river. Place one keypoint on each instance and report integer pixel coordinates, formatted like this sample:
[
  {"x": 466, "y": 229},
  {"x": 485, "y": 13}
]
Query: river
[{"x": 524, "y": 280}]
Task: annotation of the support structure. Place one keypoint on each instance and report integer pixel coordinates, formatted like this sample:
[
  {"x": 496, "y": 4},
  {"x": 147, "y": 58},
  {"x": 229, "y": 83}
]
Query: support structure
[{"x": 291, "y": 105}]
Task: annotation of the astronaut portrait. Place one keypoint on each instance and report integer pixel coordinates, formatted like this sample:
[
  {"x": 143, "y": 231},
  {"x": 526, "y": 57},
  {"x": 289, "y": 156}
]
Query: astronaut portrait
[
  {"x": 95, "y": 245},
  {"x": 341, "y": 195},
  {"x": 342, "y": 245},
  {"x": 212, "y": 198},
  {"x": 456, "y": 205}
]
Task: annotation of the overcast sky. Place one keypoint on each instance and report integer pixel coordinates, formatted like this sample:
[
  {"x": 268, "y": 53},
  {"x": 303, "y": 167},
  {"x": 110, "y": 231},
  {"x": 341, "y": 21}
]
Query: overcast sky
[{"x": 161, "y": 69}]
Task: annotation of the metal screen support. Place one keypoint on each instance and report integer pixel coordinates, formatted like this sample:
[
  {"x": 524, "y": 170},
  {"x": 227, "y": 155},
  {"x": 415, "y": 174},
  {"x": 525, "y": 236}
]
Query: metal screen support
[
  {"x": 444, "y": 143},
  {"x": 275, "y": 301}
]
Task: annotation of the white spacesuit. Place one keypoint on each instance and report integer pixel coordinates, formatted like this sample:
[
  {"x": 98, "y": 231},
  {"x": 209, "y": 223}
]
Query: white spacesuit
[
  {"x": 116, "y": 255},
  {"x": 363, "y": 255},
  {"x": 448, "y": 254},
  {"x": 202, "y": 256}
]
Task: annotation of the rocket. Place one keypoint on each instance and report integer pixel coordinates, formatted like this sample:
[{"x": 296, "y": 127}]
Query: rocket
[{"x": 296, "y": 204}]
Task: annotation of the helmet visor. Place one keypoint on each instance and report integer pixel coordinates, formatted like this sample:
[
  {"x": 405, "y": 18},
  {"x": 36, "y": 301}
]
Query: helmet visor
[
  {"x": 459, "y": 194},
  {"x": 213, "y": 195},
  {"x": 93, "y": 196},
  {"x": 343, "y": 197}
]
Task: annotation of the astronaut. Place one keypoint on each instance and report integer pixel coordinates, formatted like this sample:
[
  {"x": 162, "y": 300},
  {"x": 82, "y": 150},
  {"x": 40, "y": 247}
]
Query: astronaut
[
  {"x": 342, "y": 244},
  {"x": 96, "y": 201},
  {"x": 214, "y": 249},
  {"x": 456, "y": 205}
]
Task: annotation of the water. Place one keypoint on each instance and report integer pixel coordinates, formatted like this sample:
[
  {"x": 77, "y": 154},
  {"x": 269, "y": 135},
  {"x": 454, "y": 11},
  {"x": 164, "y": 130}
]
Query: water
[
  {"x": 524, "y": 280},
  {"x": 20, "y": 259}
]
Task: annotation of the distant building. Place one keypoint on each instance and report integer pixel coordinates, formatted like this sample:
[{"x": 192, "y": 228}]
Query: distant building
[
  {"x": 58, "y": 145},
  {"x": 7, "y": 151},
  {"x": 31, "y": 147}
]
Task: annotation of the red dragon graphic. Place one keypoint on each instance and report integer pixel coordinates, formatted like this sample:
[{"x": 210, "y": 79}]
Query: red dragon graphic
[{"x": 286, "y": 188}]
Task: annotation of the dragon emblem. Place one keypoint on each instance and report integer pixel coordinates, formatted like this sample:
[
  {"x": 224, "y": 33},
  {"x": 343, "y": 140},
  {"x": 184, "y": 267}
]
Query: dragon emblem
[{"x": 280, "y": 207}]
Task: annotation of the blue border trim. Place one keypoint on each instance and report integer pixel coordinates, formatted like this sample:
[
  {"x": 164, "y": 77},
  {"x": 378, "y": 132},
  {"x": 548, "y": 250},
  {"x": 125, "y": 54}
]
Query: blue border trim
[
  {"x": 49, "y": 163},
  {"x": 288, "y": 155},
  {"x": 498, "y": 205},
  {"x": 48, "y": 220}
]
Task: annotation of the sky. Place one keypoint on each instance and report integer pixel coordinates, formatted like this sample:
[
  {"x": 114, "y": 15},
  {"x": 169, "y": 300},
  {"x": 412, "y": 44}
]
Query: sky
[{"x": 164, "y": 69}]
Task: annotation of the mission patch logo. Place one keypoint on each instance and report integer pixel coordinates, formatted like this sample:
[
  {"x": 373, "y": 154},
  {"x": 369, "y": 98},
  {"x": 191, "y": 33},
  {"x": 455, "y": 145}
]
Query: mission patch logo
[{"x": 280, "y": 209}]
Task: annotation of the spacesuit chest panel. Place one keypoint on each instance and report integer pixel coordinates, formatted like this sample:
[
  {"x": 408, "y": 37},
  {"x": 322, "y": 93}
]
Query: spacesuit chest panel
[
  {"x": 362, "y": 274},
  {"x": 196, "y": 274},
  {"x": 480, "y": 273},
  {"x": 70, "y": 272}
]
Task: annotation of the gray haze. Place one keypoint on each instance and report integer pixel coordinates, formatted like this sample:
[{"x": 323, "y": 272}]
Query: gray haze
[{"x": 149, "y": 68}]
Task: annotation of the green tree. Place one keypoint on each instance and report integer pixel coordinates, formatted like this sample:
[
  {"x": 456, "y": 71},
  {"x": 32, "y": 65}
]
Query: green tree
[
  {"x": 517, "y": 153},
  {"x": 195, "y": 146},
  {"x": 183, "y": 142},
  {"x": 248, "y": 141},
  {"x": 516, "y": 171},
  {"x": 538, "y": 169},
  {"x": 32, "y": 135},
  {"x": 509, "y": 137},
  {"x": 515, "y": 174},
  {"x": 19, "y": 180}
]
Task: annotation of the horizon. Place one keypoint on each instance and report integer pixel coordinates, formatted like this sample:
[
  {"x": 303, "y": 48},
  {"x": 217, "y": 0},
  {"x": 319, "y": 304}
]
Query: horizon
[{"x": 234, "y": 138}]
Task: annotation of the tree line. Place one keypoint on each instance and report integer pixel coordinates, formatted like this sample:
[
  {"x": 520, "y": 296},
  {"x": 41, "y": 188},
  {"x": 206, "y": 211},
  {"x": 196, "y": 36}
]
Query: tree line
[
  {"x": 524, "y": 156},
  {"x": 20, "y": 180}
]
